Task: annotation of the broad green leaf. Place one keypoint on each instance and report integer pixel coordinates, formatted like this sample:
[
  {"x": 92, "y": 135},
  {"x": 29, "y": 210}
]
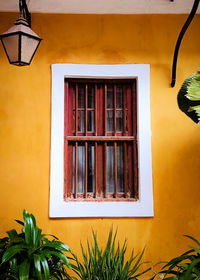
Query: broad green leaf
[
  {"x": 193, "y": 89},
  {"x": 57, "y": 245},
  {"x": 24, "y": 270},
  {"x": 62, "y": 257},
  {"x": 14, "y": 236},
  {"x": 12, "y": 251},
  {"x": 197, "y": 110},
  {"x": 14, "y": 268},
  {"x": 45, "y": 266},
  {"x": 37, "y": 266},
  {"x": 19, "y": 222}
]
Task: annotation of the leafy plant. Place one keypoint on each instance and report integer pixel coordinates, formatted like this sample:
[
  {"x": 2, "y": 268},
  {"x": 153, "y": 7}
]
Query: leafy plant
[
  {"x": 108, "y": 263},
  {"x": 189, "y": 97},
  {"x": 30, "y": 255},
  {"x": 184, "y": 267}
]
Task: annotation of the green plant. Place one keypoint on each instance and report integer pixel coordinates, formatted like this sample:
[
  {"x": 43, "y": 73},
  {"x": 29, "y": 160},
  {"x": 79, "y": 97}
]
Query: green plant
[
  {"x": 108, "y": 263},
  {"x": 31, "y": 255},
  {"x": 189, "y": 97},
  {"x": 184, "y": 267}
]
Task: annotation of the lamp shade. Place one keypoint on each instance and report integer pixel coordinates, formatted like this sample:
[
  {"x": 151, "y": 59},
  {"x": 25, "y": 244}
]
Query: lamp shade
[{"x": 20, "y": 43}]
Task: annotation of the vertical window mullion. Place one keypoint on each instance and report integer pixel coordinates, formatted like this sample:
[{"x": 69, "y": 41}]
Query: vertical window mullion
[
  {"x": 76, "y": 110},
  {"x": 76, "y": 169},
  {"x": 86, "y": 107},
  {"x": 115, "y": 144},
  {"x": 125, "y": 144},
  {"x": 125, "y": 170},
  {"x": 96, "y": 145},
  {"x": 105, "y": 169},
  {"x": 105, "y": 111},
  {"x": 134, "y": 108},
  {"x": 86, "y": 168},
  {"x": 115, "y": 111},
  {"x": 65, "y": 139},
  {"x": 135, "y": 155},
  {"x": 124, "y": 110},
  {"x": 115, "y": 169},
  {"x": 95, "y": 96},
  {"x": 95, "y": 169},
  {"x": 105, "y": 144}
]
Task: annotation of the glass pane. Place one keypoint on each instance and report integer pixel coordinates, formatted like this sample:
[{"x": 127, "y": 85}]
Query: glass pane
[
  {"x": 110, "y": 169},
  {"x": 81, "y": 97},
  {"x": 28, "y": 47},
  {"x": 110, "y": 121},
  {"x": 90, "y": 120},
  {"x": 81, "y": 169},
  {"x": 12, "y": 52},
  {"x": 110, "y": 97},
  {"x": 81, "y": 121},
  {"x": 90, "y": 97},
  {"x": 120, "y": 170},
  {"x": 90, "y": 164},
  {"x": 119, "y": 121},
  {"x": 119, "y": 98}
]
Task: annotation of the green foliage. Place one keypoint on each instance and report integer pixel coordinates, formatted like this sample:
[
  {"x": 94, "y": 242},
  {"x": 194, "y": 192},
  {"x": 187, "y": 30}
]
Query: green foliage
[
  {"x": 189, "y": 97},
  {"x": 186, "y": 266},
  {"x": 30, "y": 255},
  {"x": 107, "y": 264}
]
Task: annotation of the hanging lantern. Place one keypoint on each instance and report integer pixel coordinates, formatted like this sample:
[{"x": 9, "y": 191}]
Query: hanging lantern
[{"x": 20, "y": 42}]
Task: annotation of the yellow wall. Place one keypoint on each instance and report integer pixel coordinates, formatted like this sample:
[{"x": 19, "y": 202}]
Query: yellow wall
[{"x": 25, "y": 107}]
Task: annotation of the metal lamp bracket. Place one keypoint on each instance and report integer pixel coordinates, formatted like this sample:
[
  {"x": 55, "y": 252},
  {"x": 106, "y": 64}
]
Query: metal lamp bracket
[
  {"x": 180, "y": 37},
  {"x": 24, "y": 12}
]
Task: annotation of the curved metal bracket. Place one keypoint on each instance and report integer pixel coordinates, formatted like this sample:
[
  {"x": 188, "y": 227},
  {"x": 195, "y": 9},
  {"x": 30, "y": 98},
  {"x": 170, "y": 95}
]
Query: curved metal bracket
[
  {"x": 180, "y": 37},
  {"x": 24, "y": 12}
]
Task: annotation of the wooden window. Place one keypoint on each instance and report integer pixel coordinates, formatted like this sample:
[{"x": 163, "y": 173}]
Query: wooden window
[{"x": 100, "y": 140}]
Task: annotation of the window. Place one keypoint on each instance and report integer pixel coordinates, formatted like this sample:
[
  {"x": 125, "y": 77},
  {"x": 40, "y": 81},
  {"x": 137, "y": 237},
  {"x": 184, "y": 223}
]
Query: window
[{"x": 100, "y": 141}]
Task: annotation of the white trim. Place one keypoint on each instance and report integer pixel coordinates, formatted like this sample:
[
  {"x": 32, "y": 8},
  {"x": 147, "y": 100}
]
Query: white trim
[{"x": 60, "y": 208}]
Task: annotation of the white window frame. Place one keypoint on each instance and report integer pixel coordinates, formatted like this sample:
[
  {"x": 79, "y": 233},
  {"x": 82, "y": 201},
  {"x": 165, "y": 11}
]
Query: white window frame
[{"x": 58, "y": 208}]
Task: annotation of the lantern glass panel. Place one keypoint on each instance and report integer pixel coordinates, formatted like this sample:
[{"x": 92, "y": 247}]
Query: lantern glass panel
[
  {"x": 28, "y": 47},
  {"x": 11, "y": 44}
]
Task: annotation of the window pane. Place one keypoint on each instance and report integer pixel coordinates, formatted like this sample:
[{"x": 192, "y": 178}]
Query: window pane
[
  {"x": 110, "y": 169},
  {"x": 81, "y": 169},
  {"x": 81, "y": 97},
  {"x": 120, "y": 169},
  {"x": 90, "y": 120},
  {"x": 119, "y": 121},
  {"x": 81, "y": 121},
  {"x": 90, "y": 163},
  {"x": 110, "y": 96},
  {"x": 110, "y": 121},
  {"x": 90, "y": 100},
  {"x": 119, "y": 98}
]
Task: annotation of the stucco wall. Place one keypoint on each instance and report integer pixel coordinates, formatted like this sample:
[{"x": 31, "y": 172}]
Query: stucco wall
[{"x": 25, "y": 107}]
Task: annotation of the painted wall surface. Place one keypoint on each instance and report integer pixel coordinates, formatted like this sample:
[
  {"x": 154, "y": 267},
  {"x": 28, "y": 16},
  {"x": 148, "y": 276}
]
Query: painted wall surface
[{"x": 25, "y": 108}]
